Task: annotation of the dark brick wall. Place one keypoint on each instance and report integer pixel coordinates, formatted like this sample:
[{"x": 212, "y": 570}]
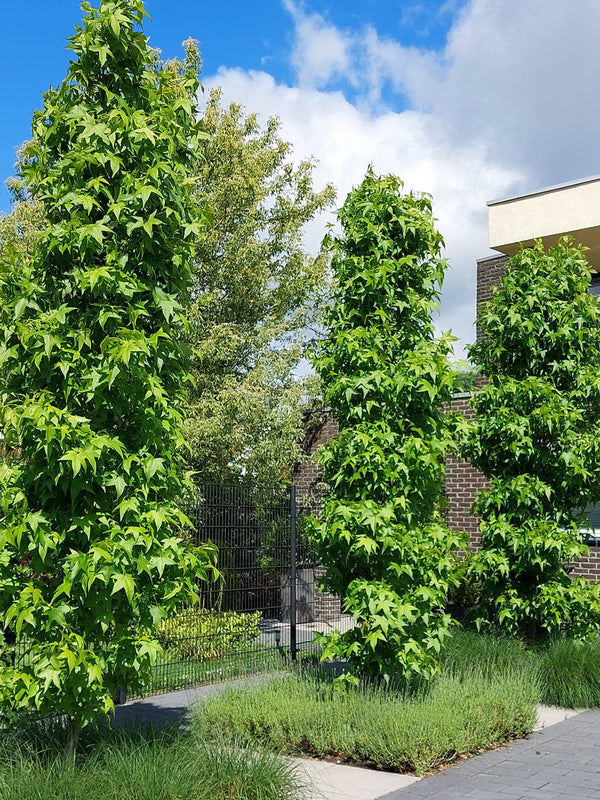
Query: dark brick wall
[
  {"x": 489, "y": 272},
  {"x": 320, "y": 428},
  {"x": 463, "y": 482}
]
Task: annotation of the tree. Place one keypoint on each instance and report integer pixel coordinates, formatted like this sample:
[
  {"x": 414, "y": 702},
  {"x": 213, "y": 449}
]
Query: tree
[
  {"x": 254, "y": 294},
  {"x": 537, "y": 440},
  {"x": 385, "y": 377},
  {"x": 464, "y": 376},
  {"x": 92, "y": 367}
]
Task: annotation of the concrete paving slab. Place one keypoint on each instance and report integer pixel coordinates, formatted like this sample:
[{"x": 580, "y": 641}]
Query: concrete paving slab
[
  {"x": 343, "y": 782},
  {"x": 550, "y": 715}
]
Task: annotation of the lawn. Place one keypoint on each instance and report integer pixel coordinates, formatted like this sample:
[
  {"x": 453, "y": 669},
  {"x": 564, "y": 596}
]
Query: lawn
[{"x": 171, "y": 675}]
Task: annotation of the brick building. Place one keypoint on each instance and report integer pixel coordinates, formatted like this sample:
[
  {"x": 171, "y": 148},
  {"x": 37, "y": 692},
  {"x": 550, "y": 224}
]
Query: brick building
[{"x": 568, "y": 209}]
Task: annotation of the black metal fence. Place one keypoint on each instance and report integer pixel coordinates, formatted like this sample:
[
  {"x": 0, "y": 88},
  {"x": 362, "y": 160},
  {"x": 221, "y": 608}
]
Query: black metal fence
[{"x": 266, "y": 607}]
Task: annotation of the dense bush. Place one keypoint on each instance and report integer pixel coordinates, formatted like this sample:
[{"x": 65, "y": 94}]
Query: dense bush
[{"x": 200, "y": 635}]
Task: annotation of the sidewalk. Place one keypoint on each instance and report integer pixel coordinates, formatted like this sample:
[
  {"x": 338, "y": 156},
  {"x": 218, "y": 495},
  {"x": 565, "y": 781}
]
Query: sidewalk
[
  {"x": 557, "y": 763},
  {"x": 561, "y": 762}
]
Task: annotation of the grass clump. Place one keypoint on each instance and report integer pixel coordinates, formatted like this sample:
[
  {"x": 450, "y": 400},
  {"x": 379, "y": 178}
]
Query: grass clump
[
  {"x": 570, "y": 673},
  {"x": 305, "y": 713},
  {"x": 142, "y": 765},
  {"x": 490, "y": 655},
  {"x": 568, "y": 670}
]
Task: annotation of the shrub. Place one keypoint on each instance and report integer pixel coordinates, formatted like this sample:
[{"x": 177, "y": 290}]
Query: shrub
[
  {"x": 200, "y": 635},
  {"x": 466, "y": 590}
]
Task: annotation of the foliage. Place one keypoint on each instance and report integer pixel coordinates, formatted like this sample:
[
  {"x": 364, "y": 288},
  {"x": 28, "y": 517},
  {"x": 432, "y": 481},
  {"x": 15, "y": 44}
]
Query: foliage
[
  {"x": 254, "y": 294},
  {"x": 303, "y": 713},
  {"x": 466, "y": 589},
  {"x": 464, "y": 376},
  {"x": 385, "y": 377},
  {"x": 537, "y": 439},
  {"x": 91, "y": 372},
  {"x": 21, "y": 229},
  {"x": 254, "y": 297},
  {"x": 142, "y": 765},
  {"x": 200, "y": 635}
]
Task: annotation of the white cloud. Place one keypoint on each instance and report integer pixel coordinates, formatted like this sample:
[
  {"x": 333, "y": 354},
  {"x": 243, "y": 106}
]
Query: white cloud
[
  {"x": 523, "y": 78},
  {"x": 321, "y": 52},
  {"x": 509, "y": 105}
]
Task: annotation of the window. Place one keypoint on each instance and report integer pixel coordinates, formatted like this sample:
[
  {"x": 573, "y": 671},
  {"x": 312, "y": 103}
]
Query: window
[{"x": 595, "y": 284}]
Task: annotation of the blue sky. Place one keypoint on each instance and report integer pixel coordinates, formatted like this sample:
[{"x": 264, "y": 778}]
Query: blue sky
[
  {"x": 233, "y": 33},
  {"x": 469, "y": 100}
]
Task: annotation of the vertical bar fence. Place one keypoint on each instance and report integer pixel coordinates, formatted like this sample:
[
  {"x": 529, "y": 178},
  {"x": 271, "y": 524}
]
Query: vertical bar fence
[{"x": 266, "y": 607}]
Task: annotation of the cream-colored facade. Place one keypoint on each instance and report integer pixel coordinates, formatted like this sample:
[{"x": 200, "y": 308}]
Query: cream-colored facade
[{"x": 570, "y": 209}]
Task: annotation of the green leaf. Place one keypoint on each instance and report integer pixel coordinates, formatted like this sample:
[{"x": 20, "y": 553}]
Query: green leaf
[{"x": 124, "y": 582}]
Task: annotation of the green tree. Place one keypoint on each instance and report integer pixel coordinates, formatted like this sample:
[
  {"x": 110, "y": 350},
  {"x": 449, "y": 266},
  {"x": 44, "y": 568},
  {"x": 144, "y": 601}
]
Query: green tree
[
  {"x": 537, "y": 439},
  {"x": 385, "y": 377},
  {"x": 464, "y": 376},
  {"x": 21, "y": 229},
  {"x": 254, "y": 296},
  {"x": 91, "y": 368}
]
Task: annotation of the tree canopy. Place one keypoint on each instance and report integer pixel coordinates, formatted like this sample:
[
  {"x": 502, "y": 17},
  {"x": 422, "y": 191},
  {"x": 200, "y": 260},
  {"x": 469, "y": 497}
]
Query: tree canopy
[
  {"x": 253, "y": 301},
  {"x": 254, "y": 295}
]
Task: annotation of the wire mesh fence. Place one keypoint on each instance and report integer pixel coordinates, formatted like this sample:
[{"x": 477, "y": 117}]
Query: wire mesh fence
[{"x": 266, "y": 607}]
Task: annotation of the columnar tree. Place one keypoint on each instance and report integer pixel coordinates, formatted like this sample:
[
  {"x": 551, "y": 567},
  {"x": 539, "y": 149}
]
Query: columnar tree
[
  {"x": 385, "y": 377},
  {"x": 537, "y": 439},
  {"x": 92, "y": 368},
  {"x": 254, "y": 296}
]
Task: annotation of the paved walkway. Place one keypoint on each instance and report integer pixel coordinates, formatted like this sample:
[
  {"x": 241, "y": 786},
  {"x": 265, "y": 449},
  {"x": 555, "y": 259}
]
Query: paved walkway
[
  {"x": 561, "y": 762},
  {"x": 557, "y": 763}
]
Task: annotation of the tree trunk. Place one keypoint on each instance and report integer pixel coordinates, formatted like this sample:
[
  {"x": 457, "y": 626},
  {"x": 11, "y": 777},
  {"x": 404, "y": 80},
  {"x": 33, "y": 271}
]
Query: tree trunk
[{"x": 73, "y": 731}]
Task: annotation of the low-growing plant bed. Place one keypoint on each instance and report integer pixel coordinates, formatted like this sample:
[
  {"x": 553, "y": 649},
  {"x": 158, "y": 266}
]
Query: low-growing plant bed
[{"x": 304, "y": 713}]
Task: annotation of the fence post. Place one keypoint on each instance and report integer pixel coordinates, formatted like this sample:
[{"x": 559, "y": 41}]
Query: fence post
[{"x": 293, "y": 558}]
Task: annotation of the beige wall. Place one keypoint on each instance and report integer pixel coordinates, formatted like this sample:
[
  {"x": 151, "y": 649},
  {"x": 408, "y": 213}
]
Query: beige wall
[{"x": 572, "y": 209}]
